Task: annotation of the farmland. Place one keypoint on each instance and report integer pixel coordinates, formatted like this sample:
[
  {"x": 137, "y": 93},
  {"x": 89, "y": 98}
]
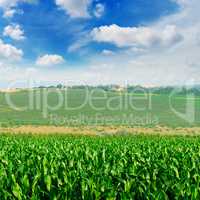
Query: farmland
[
  {"x": 99, "y": 108},
  {"x": 108, "y": 145},
  {"x": 68, "y": 167}
]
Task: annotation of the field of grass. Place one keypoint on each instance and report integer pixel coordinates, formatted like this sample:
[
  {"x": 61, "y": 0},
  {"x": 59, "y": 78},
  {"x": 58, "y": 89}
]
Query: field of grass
[
  {"x": 68, "y": 167},
  {"x": 115, "y": 109}
]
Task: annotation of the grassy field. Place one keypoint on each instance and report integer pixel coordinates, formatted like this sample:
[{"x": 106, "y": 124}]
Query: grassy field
[
  {"x": 115, "y": 109},
  {"x": 67, "y": 167}
]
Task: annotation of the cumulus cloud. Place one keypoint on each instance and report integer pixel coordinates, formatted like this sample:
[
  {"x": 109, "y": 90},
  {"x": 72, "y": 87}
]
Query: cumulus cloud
[
  {"x": 10, "y": 52},
  {"x": 8, "y": 3},
  {"x": 75, "y": 8},
  {"x": 171, "y": 66},
  {"x": 14, "y": 31},
  {"x": 5, "y": 4},
  {"x": 99, "y": 10},
  {"x": 134, "y": 63},
  {"x": 48, "y": 60},
  {"x": 9, "y": 6},
  {"x": 8, "y": 13},
  {"x": 144, "y": 37}
]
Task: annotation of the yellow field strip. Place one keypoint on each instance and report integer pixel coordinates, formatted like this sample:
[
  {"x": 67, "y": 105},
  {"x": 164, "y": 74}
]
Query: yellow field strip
[{"x": 100, "y": 130}]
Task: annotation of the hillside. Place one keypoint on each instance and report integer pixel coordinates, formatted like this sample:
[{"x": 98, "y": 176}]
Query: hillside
[{"x": 76, "y": 107}]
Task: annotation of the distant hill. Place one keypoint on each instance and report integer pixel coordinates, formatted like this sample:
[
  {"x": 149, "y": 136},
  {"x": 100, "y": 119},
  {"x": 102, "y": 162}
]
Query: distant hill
[{"x": 182, "y": 90}]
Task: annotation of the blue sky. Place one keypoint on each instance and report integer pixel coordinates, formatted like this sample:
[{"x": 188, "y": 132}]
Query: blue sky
[{"x": 66, "y": 38}]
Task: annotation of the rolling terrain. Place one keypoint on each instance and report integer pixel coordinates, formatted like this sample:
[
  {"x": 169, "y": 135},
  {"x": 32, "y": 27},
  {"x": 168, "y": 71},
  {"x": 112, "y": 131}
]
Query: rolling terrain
[
  {"x": 98, "y": 145},
  {"x": 78, "y": 107}
]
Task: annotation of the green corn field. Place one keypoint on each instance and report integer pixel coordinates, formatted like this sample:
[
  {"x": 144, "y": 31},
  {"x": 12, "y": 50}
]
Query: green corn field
[{"x": 83, "y": 167}]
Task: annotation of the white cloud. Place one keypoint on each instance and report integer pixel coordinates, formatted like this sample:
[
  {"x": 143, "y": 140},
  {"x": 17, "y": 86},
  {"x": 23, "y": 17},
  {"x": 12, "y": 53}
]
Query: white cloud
[
  {"x": 107, "y": 52},
  {"x": 48, "y": 60},
  {"x": 10, "y": 52},
  {"x": 138, "y": 63},
  {"x": 181, "y": 2},
  {"x": 5, "y": 4},
  {"x": 144, "y": 37},
  {"x": 8, "y": 3},
  {"x": 99, "y": 10},
  {"x": 9, "y": 6},
  {"x": 8, "y": 13},
  {"x": 14, "y": 31},
  {"x": 82, "y": 41},
  {"x": 75, "y": 8},
  {"x": 171, "y": 66}
]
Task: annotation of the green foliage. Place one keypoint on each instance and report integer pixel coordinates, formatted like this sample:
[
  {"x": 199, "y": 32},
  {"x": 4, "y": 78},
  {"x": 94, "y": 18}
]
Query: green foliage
[
  {"x": 124, "y": 109},
  {"x": 129, "y": 167}
]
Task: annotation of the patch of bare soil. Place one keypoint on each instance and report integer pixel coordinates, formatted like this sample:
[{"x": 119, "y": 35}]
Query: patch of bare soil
[
  {"x": 10, "y": 90},
  {"x": 101, "y": 130}
]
